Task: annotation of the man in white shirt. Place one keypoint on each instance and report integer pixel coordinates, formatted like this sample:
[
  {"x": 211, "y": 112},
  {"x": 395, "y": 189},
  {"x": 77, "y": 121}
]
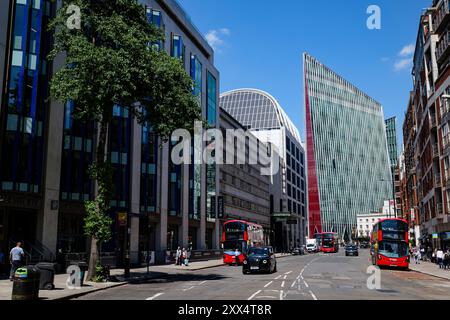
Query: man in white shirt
[
  {"x": 15, "y": 256},
  {"x": 440, "y": 258}
]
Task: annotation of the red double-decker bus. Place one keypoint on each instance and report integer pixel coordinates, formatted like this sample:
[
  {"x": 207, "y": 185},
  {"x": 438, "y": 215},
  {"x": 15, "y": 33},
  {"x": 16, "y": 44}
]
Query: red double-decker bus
[
  {"x": 328, "y": 242},
  {"x": 390, "y": 243},
  {"x": 237, "y": 237}
]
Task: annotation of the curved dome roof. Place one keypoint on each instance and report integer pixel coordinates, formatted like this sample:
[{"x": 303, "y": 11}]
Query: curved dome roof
[{"x": 257, "y": 110}]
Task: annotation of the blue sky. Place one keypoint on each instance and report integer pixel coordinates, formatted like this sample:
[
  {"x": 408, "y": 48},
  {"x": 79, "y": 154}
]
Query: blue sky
[{"x": 259, "y": 44}]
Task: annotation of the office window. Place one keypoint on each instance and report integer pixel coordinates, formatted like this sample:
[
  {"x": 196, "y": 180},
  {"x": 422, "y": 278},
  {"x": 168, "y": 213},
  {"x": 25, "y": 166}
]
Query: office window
[{"x": 212, "y": 99}]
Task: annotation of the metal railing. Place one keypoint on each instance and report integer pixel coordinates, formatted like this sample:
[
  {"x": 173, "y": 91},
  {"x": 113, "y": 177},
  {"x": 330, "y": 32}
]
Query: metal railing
[
  {"x": 440, "y": 14},
  {"x": 442, "y": 46},
  {"x": 435, "y": 148}
]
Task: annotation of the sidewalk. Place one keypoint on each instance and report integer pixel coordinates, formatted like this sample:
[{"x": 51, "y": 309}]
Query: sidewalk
[
  {"x": 61, "y": 291},
  {"x": 430, "y": 269}
]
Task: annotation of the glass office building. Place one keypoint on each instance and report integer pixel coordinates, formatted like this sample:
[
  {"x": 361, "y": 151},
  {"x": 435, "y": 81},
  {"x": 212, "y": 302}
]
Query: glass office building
[
  {"x": 347, "y": 156},
  {"x": 391, "y": 134},
  {"x": 261, "y": 113}
]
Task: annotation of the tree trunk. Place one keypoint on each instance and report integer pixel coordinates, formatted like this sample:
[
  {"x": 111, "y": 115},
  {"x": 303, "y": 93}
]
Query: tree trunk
[
  {"x": 93, "y": 258},
  {"x": 99, "y": 163}
]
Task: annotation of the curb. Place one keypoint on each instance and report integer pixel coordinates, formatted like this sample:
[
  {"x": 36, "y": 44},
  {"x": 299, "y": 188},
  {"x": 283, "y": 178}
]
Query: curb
[{"x": 430, "y": 274}]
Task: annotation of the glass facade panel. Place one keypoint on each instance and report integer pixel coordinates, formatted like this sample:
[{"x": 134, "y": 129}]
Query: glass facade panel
[{"x": 347, "y": 151}]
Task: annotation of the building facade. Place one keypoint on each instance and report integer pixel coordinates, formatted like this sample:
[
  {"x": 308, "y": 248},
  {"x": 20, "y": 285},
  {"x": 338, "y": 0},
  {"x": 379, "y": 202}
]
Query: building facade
[
  {"x": 44, "y": 179},
  {"x": 391, "y": 136},
  {"x": 348, "y": 164},
  {"x": 260, "y": 113},
  {"x": 245, "y": 192},
  {"x": 366, "y": 221},
  {"x": 427, "y": 128}
]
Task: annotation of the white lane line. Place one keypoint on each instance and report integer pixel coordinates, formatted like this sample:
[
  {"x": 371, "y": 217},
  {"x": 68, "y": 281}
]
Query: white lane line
[
  {"x": 203, "y": 282},
  {"x": 313, "y": 295},
  {"x": 268, "y": 284},
  {"x": 278, "y": 277},
  {"x": 254, "y": 295},
  {"x": 282, "y": 284},
  {"x": 293, "y": 284},
  {"x": 155, "y": 296},
  {"x": 285, "y": 277},
  {"x": 306, "y": 284},
  {"x": 288, "y": 272},
  {"x": 281, "y": 295}
]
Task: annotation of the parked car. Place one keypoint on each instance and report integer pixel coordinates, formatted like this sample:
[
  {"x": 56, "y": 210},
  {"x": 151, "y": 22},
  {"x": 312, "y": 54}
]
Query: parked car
[
  {"x": 351, "y": 250},
  {"x": 260, "y": 259},
  {"x": 298, "y": 251},
  {"x": 364, "y": 245}
]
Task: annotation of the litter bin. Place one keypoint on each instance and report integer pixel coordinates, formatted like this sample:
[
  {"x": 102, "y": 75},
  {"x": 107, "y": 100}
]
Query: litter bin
[
  {"x": 26, "y": 284},
  {"x": 83, "y": 268},
  {"x": 47, "y": 275}
]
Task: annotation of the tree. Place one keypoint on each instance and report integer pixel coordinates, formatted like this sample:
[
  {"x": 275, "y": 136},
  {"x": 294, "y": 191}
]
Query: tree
[{"x": 110, "y": 61}]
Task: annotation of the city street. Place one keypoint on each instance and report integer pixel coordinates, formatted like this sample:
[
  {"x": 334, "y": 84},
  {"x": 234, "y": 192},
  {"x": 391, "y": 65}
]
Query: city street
[{"x": 310, "y": 277}]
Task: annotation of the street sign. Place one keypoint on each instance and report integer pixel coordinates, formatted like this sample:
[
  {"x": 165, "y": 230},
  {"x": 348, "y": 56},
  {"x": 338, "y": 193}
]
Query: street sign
[{"x": 281, "y": 214}]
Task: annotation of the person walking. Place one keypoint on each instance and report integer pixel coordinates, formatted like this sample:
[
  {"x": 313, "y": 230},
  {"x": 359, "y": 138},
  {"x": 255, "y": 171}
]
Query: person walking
[
  {"x": 440, "y": 258},
  {"x": 15, "y": 257},
  {"x": 417, "y": 256},
  {"x": 447, "y": 260},
  {"x": 178, "y": 257}
]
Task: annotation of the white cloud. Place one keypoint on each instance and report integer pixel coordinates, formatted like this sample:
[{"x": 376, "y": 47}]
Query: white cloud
[
  {"x": 403, "y": 64},
  {"x": 215, "y": 37},
  {"x": 405, "y": 58},
  {"x": 407, "y": 50}
]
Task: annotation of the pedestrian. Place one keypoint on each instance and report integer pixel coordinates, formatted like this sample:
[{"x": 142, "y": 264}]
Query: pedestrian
[
  {"x": 440, "y": 258},
  {"x": 15, "y": 257},
  {"x": 184, "y": 257},
  {"x": 446, "y": 262},
  {"x": 417, "y": 256},
  {"x": 178, "y": 257},
  {"x": 236, "y": 256},
  {"x": 433, "y": 256}
]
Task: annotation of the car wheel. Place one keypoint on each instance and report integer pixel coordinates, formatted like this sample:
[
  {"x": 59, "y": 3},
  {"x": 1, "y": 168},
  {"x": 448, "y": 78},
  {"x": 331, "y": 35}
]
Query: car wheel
[{"x": 244, "y": 272}]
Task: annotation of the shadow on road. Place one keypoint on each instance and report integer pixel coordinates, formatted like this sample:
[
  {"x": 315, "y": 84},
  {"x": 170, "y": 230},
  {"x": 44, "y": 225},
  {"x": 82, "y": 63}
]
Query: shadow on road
[{"x": 168, "y": 278}]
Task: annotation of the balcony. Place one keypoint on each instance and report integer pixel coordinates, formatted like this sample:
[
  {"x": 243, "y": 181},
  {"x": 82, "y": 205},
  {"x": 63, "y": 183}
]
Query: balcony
[
  {"x": 439, "y": 209},
  {"x": 442, "y": 47},
  {"x": 441, "y": 17},
  {"x": 447, "y": 179},
  {"x": 437, "y": 181},
  {"x": 445, "y": 144},
  {"x": 435, "y": 150},
  {"x": 433, "y": 120}
]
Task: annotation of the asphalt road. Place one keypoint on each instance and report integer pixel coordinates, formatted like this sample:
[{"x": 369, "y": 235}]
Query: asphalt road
[{"x": 310, "y": 277}]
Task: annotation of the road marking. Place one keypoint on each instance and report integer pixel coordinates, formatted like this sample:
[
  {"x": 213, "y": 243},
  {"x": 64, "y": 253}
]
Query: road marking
[
  {"x": 155, "y": 296},
  {"x": 282, "y": 284},
  {"x": 203, "y": 282},
  {"x": 285, "y": 277},
  {"x": 281, "y": 295},
  {"x": 254, "y": 295},
  {"x": 288, "y": 272},
  {"x": 268, "y": 284},
  {"x": 278, "y": 277},
  {"x": 313, "y": 295},
  {"x": 306, "y": 284},
  {"x": 293, "y": 283},
  {"x": 189, "y": 288}
]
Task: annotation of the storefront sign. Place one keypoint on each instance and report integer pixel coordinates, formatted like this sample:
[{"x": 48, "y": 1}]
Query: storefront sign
[
  {"x": 122, "y": 219},
  {"x": 435, "y": 236},
  {"x": 220, "y": 207}
]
